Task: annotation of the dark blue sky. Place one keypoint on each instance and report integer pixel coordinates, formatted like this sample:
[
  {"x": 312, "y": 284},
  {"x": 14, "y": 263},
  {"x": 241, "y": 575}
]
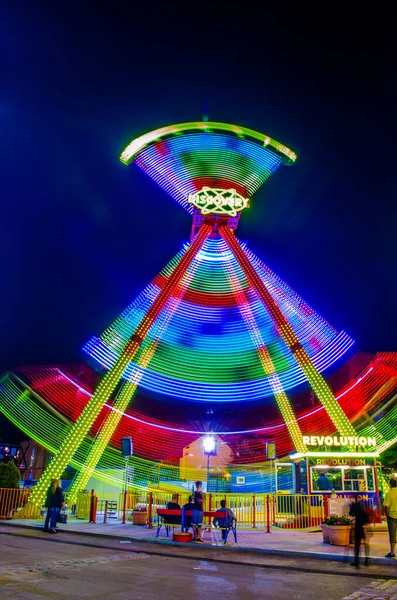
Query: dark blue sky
[{"x": 81, "y": 234}]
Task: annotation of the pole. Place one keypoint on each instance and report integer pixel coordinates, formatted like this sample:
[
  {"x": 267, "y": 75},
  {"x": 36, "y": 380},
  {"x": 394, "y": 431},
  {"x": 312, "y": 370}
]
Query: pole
[
  {"x": 208, "y": 472},
  {"x": 315, "y": 379},
  {"x": 150, "y": 524},
  {"x": 110, "y": 381},
  {"x": 95, "y": 509},
  {"x": 124, "y": 507},
  {"x": 376, "y": 480},
  {"x": 127, "y": 458},
  {"x": 91, "y": 516},
  {"x": 267, "y": 514}
]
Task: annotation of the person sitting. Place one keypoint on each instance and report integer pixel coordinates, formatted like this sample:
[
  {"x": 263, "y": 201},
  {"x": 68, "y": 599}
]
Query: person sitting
[
  {"x": 226, "y": 521},
  {"x": 173, "y": 505},
  {"x": 188, "y": 519},
  {"x": 323, "y": 483}
]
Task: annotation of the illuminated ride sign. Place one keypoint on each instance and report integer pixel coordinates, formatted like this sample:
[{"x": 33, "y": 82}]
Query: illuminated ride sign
[
  {"x": 341, "y": 462},
  {"x": 334, "y": 440},
  {"x": 218, "y": 202}
]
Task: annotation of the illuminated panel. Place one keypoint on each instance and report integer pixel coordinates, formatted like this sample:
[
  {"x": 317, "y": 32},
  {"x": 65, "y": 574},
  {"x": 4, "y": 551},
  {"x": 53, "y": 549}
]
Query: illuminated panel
[
  {"x": 207, "y": 352},
  {"x": 184, "y": 164},
  {"x": 218, "y": 202},
  {"x": 141, "y": 142}
]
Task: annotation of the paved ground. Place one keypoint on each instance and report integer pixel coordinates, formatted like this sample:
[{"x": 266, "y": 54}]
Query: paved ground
[
  {"x": 38, "y": 566},
  {"x": 279, "y": 541}
]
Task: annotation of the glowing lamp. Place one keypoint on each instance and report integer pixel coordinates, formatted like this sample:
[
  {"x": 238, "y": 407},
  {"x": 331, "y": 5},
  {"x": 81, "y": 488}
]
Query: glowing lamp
[{"x": 210, "y": 445}]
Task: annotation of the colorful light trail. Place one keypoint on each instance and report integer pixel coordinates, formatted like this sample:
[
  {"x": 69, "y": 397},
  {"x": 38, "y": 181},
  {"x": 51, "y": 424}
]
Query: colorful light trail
[{"x": 216, "y": 326}]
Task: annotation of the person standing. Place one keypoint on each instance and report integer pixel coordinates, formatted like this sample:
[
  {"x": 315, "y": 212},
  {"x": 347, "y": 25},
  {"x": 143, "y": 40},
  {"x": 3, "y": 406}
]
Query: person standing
[
  {"x": 390, "y": 504},
  {"x": 323, "y": 483},
  {"x": 197, "y": 512},
  {"x": 361, "y": 519},
  {"x": 56, "y": 503},
  {"x": 48, "y": 514}
]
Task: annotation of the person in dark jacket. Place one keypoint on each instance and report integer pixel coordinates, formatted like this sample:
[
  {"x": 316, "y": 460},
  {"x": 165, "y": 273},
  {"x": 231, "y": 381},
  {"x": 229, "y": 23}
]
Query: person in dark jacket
[
  {"x": 173, "y": 505},
  {"x": 56, "y": 503},
  {"x": 47, "y": 506},
  {"x": 361, "y": 519}
]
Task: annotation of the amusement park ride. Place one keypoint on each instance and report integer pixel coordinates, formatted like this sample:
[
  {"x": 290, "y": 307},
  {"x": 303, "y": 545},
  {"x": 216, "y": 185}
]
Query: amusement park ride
[{"x": 215, "y": 328}]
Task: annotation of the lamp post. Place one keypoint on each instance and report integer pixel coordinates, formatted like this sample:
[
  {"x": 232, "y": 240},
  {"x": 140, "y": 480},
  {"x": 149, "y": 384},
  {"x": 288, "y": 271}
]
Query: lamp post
[
  {"x": 127, "y": 451},
  {"x": 210, "y": 448},
  {"x": 271, "y": 455}
]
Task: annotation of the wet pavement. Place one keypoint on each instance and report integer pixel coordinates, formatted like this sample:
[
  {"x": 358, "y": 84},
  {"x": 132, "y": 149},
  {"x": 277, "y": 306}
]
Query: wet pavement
[
  {"x": 34, "y": 565},
  {"x": 305, "y": 543}
]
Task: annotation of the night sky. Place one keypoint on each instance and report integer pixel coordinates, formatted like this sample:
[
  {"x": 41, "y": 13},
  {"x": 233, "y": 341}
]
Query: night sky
[{"x": 81, "y": 234}]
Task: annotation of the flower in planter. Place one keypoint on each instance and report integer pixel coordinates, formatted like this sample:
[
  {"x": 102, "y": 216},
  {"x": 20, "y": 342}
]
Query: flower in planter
[
  {"x": 140, "y": 508},
  {"x": 338, "y": 520}
]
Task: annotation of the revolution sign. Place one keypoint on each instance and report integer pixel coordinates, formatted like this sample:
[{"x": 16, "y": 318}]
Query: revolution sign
[{"x": 334, "y": 440}]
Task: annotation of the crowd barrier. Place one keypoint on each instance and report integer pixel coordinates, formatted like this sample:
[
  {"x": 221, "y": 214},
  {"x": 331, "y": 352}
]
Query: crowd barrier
[{"x": 252, "y": 511}]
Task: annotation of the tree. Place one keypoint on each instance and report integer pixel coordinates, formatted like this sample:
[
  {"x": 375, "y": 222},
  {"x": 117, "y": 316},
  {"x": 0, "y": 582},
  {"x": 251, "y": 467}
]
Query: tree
[{"x": 9, "y": 475}]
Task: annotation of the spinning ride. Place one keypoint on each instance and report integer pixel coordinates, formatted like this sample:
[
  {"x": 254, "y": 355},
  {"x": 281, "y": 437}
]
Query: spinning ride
[{"x": 216, "y": 325}]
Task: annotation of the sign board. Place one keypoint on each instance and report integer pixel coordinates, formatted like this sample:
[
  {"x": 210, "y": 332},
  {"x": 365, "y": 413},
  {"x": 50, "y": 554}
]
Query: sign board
[
  {"x": 339, "y": 506},
  {"x": 218, "y": 202},
  {"x": 271, "y": 450},
  {"x": 126, "y": 447},
  {"x": 335, "y": 440}
]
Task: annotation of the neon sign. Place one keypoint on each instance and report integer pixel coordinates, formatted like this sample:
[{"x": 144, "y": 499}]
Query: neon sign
[
  {"x": 338, "y": 462},
  {"x": 334, "y": 440},
  {"x": 219, "y": 202}
]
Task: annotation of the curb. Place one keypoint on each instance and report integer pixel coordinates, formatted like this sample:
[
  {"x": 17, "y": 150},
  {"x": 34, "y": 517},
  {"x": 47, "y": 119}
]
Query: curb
[{"x": 261, "y": 551}]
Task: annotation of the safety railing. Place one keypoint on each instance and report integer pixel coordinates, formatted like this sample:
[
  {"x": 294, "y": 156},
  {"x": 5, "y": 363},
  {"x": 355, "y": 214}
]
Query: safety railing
[
  {"x": 298, "y": 511},
  {"x": 253, "y": 511},
  {"x": 12, "y": 501}
]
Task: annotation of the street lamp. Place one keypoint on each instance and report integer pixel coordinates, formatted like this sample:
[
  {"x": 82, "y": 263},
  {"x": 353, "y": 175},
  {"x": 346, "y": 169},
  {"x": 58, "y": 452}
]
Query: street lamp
[{"x": 210, "y": 448}]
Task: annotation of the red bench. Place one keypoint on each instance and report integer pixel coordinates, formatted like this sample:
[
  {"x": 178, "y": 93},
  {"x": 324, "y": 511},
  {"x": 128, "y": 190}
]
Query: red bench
[{"x": 182, "y": 514}]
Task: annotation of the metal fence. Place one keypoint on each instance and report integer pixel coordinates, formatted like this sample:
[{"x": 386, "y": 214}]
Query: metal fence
[
  {"x": 12, "y": 503},
  {"x": 287, "y": 511},
  {"x": 253, "y": 511}
]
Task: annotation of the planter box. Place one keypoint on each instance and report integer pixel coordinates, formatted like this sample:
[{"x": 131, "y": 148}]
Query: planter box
[
  {"x": 339, "y": 535},
  {"x": 139, "y": 517},
  {"x": 325, "y": 531}
]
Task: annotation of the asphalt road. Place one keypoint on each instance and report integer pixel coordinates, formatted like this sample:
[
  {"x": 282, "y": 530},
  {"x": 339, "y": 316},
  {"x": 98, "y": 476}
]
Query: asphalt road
[{"x": 39, "y": 566}]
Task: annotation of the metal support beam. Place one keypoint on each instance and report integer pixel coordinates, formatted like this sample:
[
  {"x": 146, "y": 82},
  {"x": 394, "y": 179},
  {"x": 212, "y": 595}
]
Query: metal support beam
[
  {"x": 315, "y": 379},
  {"x": 280, "y": 396},
  {"x": 115, "y": 374}
]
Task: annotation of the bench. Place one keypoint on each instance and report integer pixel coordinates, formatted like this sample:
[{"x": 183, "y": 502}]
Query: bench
[{"x": 165, "y": 520}]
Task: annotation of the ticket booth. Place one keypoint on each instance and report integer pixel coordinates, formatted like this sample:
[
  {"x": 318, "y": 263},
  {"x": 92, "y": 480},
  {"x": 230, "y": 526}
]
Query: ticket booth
[{"x": 341, "y": 476}]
